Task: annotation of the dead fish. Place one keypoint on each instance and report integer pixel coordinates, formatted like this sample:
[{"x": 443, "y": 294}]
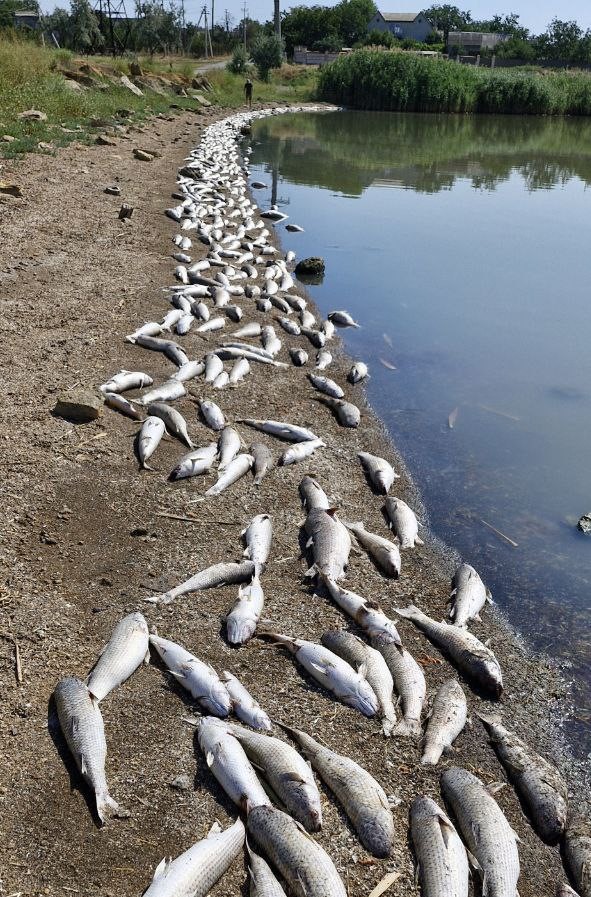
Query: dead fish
[
  {"x": 577, "y": 853},
  {"x": 168, "y": 392},
  {"x": 251, "y": 354},
  {"x": 326, "y": 385},
  {"x": 299, "y": 357},
  {"x": 387, "y": 364},
  {"x": 237, "y": 468},
  {"x": 305, "y": 866},
  {"x": 323, "y": 359},
  {"x": 384, "y": 553},
  {"x": 485, "y": 830},
  {"x": 184, "y": 324},
  {"x": 172, "y": 350},
  {"x": 367, "y": 614},
  {"x": 300, "y": 451},
  {"x": 287, "y": 773},
  {"x": 197, "y": 677},
  {"x": 124, "y": 406},
  {"x": 229, "y": 444},
  {"x": 330, "y": 543},
  {"x": 258, "y": 185},
  {"x": 347, "y": 414},
  {"x": 379, "y": 471},
  {"x": 446, "y": 720},
  {"x": 280, "y": 429},
  {"x": 257, "y": 537},
  {"x": 234, "y": 312},
  {"x": 222, "y": 574},
  {"x": 294, "y": 228},
  {"x": 537, "y": 782},
  {"x": 239, "y": 371},
  {"x": 289, "y": 326},
  {"x": 263, "y": 461},
  {"x": 125, "y": 651},
  {"x": 173, "y": 317},
  {"x": 452, "y": 418},
  {"x": 313, "y": 495},
  {"x": 442, "y": 862},
  {"x": 213, "y": 366},
  {"x": 341, "y": 319},
  {"x": 195, "y": 462},
  {"x": 316, "y": 337},
  {"x": 362, "y": 798},
  {"x": 228, "y": 762},
  {"x": 262, "y": 881},
  {"x": 221, "y": 380},
  {"x": 290, "y": 256},
  {"x": 221, "y": 296},
  {"x": 212, "y": 414},
  {"x": 361, "y": 656},
  {"x": 334, "y": 674},
  {"x": 200, "y": 311},
  {"x": 188, "y": 371},
  {"x": 174, "y": 421},
  {"x": 196, "y": 871},
  {"x": 270, "y": 340},
  {"x": 403, "y": 522},
  {"x": 250, "y": 330},
  {"x": 468, "y": 595},
  {"x": 358, "y": 372},
  {"x": 82, "y": 724},
  {"x": 152, "y": 328},
  {"x": 474, "y": 659},
  {"x": 126, "y": 380},
  {"x": 564, "y": 890},
  {"x": 211, "y": 326},
  {"x": 148, "y": 439},
  {"x": 244, "y": 705},
  {"x": 409, "y": 682}
]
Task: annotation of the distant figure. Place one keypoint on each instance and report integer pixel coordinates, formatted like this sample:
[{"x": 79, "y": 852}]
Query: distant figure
[{"x": 248, "y": 92}]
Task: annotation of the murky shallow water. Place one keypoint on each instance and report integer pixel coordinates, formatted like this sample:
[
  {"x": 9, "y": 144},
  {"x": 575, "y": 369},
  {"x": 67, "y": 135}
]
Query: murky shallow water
[{"x": 463, "y": 245}]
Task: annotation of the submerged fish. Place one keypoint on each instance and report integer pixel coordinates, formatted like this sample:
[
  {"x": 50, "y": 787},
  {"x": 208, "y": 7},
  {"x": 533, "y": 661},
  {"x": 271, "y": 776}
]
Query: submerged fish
[
  {"x": 122, "y": 655},
  {"x": 342, "y": 319}
]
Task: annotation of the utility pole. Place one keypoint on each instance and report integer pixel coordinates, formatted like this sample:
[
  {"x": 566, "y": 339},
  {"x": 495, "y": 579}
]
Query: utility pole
[
  {"x": 212, "y": 16},
  {"x": 277, "y": 19},
  {"x": 244, "y": 23}
]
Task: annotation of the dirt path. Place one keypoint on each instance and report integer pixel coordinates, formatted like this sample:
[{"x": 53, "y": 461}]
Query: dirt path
[{"x": 83, "y": 543}]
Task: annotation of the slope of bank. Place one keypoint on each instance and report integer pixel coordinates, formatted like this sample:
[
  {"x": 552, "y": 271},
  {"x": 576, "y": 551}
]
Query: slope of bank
[{"x": 84, "y": 540}]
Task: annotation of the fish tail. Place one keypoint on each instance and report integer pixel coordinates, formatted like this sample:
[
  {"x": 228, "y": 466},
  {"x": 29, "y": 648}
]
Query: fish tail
[
  {"x": 409, "y": 612},
  {"x": 409, "y": 727},
  {"x": 431, "y": 756},
  {"x": 105, "y": 805}
]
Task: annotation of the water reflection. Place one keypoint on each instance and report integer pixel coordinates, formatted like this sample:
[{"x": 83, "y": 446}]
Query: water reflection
[{"x": 463, "y": 245}]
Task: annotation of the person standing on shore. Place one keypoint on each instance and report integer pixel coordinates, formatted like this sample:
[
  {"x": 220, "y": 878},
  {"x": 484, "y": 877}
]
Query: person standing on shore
[{"x": 248, "y": 92}]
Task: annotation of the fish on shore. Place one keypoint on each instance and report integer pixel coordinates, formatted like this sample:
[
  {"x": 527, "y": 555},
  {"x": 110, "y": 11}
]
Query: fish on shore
[
  {"x": 380, "y": 473},
  {"x": 280, "y": 429},
  {"x": 312, "y": 494},
  {"x": 262, "y": 880},
  {"x": 242, "y": 620},
  {"x": 409, "y": 682},
  {"x": 468, "y": 596},
  {"x": 244, "y": 705},
  {"x": 227, "y": 761},
  {"x": 442, "y": 861},
  {"x": 403, "y": 522},
  {"x": 168, "y": 392},
  {"x": 367, "y": 614},
  {"x": 212, "y": 414},
  {"x": 235, "y": 470},
  {"x": 119, "y": 403},
  {"x": 126, "y": 380},
  {"x": 347, "y": 414},
  {"x": 174, "y": 421},
  {"x": 385, "y": 554},
  {"x": 197, "y": 677},
  {"x": 229, "y": 444},
  {"x": 300, "y": 451},
  {"x": 446, "y": 720},
  {"x": 196, "y": 871},
  {"x": 148, "y": 439},
  {"x": 223, "y": 574},
  {"x": 257, "y": 537},
  {"x": 577, "y": 853},
  {"x": 330, "y": 543},
  {"x": 326, "y": 386},
  {"x": 361, "y": 796},
  {"x": 263, "y": 461},
  {"x": 196, "y": 462},
  {"x": 125, "y": 651}
]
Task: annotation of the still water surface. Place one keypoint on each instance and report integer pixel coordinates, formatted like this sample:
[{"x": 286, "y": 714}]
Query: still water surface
[{"x": 463, "y": 245}]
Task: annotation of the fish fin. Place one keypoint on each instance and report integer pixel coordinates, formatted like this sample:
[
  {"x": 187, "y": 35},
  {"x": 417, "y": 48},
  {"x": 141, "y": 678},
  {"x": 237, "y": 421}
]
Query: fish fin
[
  {"x": 477, "y": 617},
  {"x": 293, "y": 777},
  {"x": 493, "y": 787},
  {"x": 161, "y": 868},
  {"x": 407, "y": 612},
  {"x": 362, "y": 670},
  {"x": 209, "y": 758},
  {"x": 489, "y": 597},
  {"x": 106, "y": 806},
  {"x": 310, "y": 542},
  {"x": 473, "y": 862},
  {"x": 485, "y": 890},
  {"x": 83, "y": 766},
  {"x": 179, "y": 676},
  {"x": 445, "y": 826},
  {"x": 147, "y": 657},
  {"x": 517, "y": 838},
  {"x": 419, "y": 541},
  {"x": 311, "y": 572},
  {"x": 319, "y": 667},
  {"x": 417, "y": 874}
]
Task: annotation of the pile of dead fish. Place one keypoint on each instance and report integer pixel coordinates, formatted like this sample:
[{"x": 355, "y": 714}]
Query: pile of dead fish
[{"x": 374, "y": 673}]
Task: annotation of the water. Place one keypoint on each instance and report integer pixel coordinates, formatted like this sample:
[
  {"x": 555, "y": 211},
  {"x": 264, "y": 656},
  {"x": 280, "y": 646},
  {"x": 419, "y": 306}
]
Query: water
[{"x": 463, "y": 245}]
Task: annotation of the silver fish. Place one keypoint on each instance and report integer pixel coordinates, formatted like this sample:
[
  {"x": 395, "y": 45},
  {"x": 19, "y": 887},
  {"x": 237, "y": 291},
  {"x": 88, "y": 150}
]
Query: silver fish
[
  {"x": 124, "y": 406},
  {"x": 262, "y": 881},
  {"x": 257, "y": 537},
  {"x": 473, "y": 658},
  {"x": 367, "y": 614},
  {"x": 168, "y": 392},
  {"x": 82, "y": 724},
  {"x": 326, "y": 385},
  {"x": 188, "y": 371},
  {"x": 168, "y": 347},
  {"x": 468, "y": 595},
  {"x": 577, "y": 853},
  {"x": 213, "y": 366},
  {"x": 564, "y": 890},
  {"x": 305, "y": 866},
  {"x": 347, "y": 414},
  {"x": 341, "y": 319},
  {"x": 362, "y": 798},
  {"x": 313, "y": 495},
  {"x": 240, "y": 369},
  {"x": 222, "y": 574},
  {"x": 126, "y": 380},
  {"x": 228, "y": 762},
  {"x": 247, "y": 331},
  {"x": 196, "y": 462},
  {"x": 172, "y": 317},
  {"x": 197, "y": 677},
  {"x": 244, "y": 705},
  {"x": 270, "y": 340},
  {"x": 195, "y": 872},
  {"x": 442, "y": 862},
  {"x": 152, "y": 328},
  {"x": 327, "y": 328},
  {"x": 184, "y": 324},
  {"x": 174, "y": 421},
  {"x": 384, "y": 553},
  {"x": 300, "y": 451},
  {"x": 148, "y": 439},
  {"x": 330, "y": 543},
  {"x": 288, "y": 774},
  {"x": 263, "y": 461},
  {"x": 538, "y": 783},
  {"x": 288, "y": 432},
  {"x": 229, "y": 445},
  {"x": 122, "y": 655},
  {"x": 299, "y": 357},
  {"x": 485, "y": 830},
  {"x": 358, "y": 372},
  {"x": 446, "y": 720},
  {"x": 323, "y": 359},
  {"x": 212, "y": 325},
  {"x": 375, "y": 669},
  {"x": 234, "y": 312},
  {"x": 212, "y": 414},
  {"x": 242, "y": 620},
  {"x": 336, "y": 675},
  {"x": 378, "y": 470},
  {"x": 237, "y": 468},
  {"x": 409, "y": 682},
  {"x": 221, "y": 380},
  {"x": 403, "y": 522}
]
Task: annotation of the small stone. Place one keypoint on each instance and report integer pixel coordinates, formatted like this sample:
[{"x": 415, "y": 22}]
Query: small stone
[
  {"x": 139, "y": 531},
  {"x": 181, "y": 783},
  {"x": 45, "y": 146},
  {"x": 203, "y": 101},
  {"x": 32, "y": 115},
  {"x": 135, "y": 69},
  {"x": 103, "y": 140},
  {"x": 8, "y": 138},
  {"x": 584, "y": 524},
  {"x": 10, "y": 189},
  {"x": 313, "y": 266},
  {"x": 125, "y": 212},
  {"x": 79, "y": 405},
  {"x": 143, "y": 156},
  {"x": 46, "y": 538},
  {"x": 113, "y": 190},
  {"x": 73, "y": 85},
  {"x": 105, "y": 581}
]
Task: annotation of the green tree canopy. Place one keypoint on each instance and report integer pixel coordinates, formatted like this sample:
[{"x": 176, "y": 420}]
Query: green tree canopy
[
  {"x": 446, "y": 18},
  {"x": 342, "y": 25},
  {"x": 84, "y": 33},
  {"x": 267, "y": 54}
]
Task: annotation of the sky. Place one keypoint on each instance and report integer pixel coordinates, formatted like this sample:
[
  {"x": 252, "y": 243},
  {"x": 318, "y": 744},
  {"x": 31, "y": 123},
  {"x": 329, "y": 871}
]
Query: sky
[{"x": 534, "y": 14}]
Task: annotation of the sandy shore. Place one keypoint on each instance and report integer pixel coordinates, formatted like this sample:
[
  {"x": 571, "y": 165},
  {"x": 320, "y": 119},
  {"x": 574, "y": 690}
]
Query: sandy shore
[{"x": 74, "y": 280}]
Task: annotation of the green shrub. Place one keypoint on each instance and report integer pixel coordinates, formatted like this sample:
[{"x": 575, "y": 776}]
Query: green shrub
[
  {"x": 267, "y": 54},
  {"x": 239, "y": 61}
]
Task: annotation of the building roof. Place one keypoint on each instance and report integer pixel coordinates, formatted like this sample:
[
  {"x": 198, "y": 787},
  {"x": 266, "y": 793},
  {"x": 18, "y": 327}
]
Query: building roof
[
  {"x": 25, "y": 13},
  {"x": 400, "y": 16}
]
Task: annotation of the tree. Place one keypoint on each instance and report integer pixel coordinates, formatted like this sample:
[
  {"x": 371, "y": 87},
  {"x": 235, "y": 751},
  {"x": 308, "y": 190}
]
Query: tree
[
  {"x": 157, "y": 28},
  {"x": 561, "y": 41},
  {"x": 448, "y": 18},
  {"x": 267, "y": 54},
  {"x": 303, "y": 26},
  {"x": 8, "y": 7},
  {"x": 58, "y": 23},
  {"x": 84, "y": 33},
  {"x": 351, "y": 19}
]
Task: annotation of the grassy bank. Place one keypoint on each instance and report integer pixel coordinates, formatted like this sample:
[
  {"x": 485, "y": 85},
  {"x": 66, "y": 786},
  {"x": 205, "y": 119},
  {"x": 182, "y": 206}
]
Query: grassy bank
[
  {"x": 83, "y": 97},
  {"x": 403, "y": 82}
]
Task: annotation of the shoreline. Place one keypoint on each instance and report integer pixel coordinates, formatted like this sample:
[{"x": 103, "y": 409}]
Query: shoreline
[{"x": 75, "y": 592}]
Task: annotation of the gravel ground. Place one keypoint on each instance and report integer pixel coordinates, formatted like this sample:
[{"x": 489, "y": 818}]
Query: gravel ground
[{"x": 73, "y": 281}]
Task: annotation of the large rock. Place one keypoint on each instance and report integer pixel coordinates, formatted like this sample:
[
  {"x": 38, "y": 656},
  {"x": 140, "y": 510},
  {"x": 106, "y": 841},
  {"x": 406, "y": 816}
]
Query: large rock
[
  {"x": 79, "y": 405},
  {"x": 203, "y": 101},
  {"x": 130, "y": 86},
  {"x": 584, "y": 523},
  {"x": 32, "y": 115},
  {"x": 310, "y": 267},
  {"x": 135, "y": 69}
]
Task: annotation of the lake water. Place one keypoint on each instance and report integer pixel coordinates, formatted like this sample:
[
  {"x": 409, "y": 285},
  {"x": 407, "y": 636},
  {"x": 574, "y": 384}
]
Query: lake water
[{"x": 463, "y": 245}]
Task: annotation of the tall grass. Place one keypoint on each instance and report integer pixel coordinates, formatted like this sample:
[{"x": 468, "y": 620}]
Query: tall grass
[{"x": 404, "y": 82}]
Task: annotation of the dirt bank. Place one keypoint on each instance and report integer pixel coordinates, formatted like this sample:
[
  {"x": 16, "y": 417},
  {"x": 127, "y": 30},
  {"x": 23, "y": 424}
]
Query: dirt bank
[{"x": 73, "y": 281}]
